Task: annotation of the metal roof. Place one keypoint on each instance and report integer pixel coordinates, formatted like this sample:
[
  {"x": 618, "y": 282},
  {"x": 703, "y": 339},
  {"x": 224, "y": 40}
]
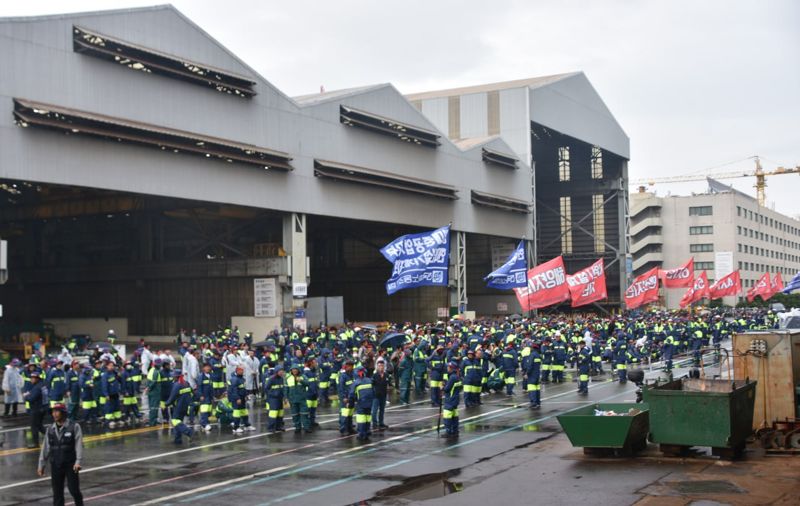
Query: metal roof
[{"x": 532, "y": 82}]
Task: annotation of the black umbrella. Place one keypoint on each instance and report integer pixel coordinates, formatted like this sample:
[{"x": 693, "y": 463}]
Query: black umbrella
[
  {"x": 394, "y": 340},
  {"x": 261, "y": 344}
]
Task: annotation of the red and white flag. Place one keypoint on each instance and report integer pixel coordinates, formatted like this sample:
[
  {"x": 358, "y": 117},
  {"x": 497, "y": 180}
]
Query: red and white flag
[
  {"x": 644, "y": 289},
  {"x": 727, "y": 285},
  {"x": 679, "y": 277},
  {"x": 762, "y": 288},
  {"x": 697, "y": 291},
  {"x": 547, "y": 285},
  {"x": 588, "y": 285},
  {"x": 775, "y": 286}
]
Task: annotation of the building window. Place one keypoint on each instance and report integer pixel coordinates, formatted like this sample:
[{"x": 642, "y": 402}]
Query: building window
[
  {"x": 740, "y": 247},
  {"x": 706, "y": 229},
  {"x": 739, "y": 211},
  {"x": 566, "y": 225},
  {"x": 701, "y": 248},
  {"x": 701, "y": 211},
  {"x": 740, "y": 265},
  {"x": 597, "y": 162},
  {"x": 563, "y": 164},
  {"x": 599, "y": 223},
  {"x": 739, "y": 229},
  {"x": 704, "y": 266}
]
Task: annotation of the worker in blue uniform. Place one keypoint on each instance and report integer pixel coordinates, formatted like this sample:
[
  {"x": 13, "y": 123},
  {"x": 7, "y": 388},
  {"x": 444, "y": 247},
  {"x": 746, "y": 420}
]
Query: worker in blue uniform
[
  {"x": 584, "y": 365},
  {"x": 36, "y": 399},
  {"x": 436, "y": 365},
  {"x": 361, "y": 397},
  {"x": 88, "y": 404},
  {"x": 533, "y": 377},
  {"x": 312, "y": 380},
  {"x": 73, "y": 381},
  {"x": 274, "y": 392},
  {"x": 56, "y": 383},
  {"x": 451, "y": 399},
  {"x": 153, "y": 391},
  {"x": 111, "y": 389},
  {"x": 179, "y": 399},
  {"x": 237, "y": 394},
  {"x": 471, "y": 372},
  {"x": 404, "y": 370},
  {"x": 346, "y": 410},
  {"x": 205, "y": 396},
  {"x": 510, "y": 362},
  {"x": 130, "y": 390},
  {"x": 559, "y": 359}
]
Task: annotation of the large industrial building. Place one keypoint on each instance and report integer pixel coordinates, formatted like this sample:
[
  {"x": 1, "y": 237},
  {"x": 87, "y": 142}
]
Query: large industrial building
[
  {"x": 723, "y": 230},
  {"x": 150, "y": 178}
]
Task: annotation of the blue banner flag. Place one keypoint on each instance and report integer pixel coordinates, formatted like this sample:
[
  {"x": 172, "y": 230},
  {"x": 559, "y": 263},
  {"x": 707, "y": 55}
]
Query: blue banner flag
[
  {"x": 419, "y": 260},
  {"x": 511, "y": 274},
  {"x": 792, "y": 285}
]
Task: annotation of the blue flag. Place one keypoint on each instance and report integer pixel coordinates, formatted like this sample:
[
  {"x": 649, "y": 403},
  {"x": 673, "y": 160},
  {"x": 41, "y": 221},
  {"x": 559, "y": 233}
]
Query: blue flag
[
  {"x": 419, "y": 260},
  {"x": 511, "y": 274},
  {"x": 792, "y": 285}
]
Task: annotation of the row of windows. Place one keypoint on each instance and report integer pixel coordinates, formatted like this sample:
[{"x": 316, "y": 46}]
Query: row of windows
[
  {"x": 701, "y": 211},
  {"x": 755, "y": 250},
  {"x": 704, "y": 266},
  {"x": 761, "y": 236},
  {"x": 774, "y": 269},
  {"x": 564, "y": 169},
  {"x": 700, "y": 248},
  {"x": 703, "y": 230},
  {"x": 741, "y": 212}
]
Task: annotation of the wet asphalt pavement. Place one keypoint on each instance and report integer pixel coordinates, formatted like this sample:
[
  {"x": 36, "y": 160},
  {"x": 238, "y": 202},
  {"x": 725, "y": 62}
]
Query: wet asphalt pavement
[{"x": 493, "y": 459}]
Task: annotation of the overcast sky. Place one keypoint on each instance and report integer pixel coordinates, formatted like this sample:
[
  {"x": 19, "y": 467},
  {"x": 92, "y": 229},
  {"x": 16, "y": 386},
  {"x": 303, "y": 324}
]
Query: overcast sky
[{"x": 695, "y": 84}]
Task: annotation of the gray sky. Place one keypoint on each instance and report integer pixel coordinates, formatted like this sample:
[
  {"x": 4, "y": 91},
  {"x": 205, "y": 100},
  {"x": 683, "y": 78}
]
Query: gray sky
[{"x": 695, "y": 84}]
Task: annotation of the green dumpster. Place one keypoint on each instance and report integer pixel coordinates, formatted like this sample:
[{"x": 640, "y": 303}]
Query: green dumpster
[
  {"x": 701, "y": 412},
  {"x": 624, "y": 434}
]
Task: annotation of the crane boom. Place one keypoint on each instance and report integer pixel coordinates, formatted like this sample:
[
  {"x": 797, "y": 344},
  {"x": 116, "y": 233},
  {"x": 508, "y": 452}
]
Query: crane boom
[{"x": 759, "y": 173}]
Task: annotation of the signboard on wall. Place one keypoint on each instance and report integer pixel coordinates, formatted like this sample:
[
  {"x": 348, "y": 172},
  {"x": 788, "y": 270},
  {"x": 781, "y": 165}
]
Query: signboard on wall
[
  {"x": 723, "y": 264},
  {"x": 265, "y": 297},
  {"x": 300, "y": 290},
  {"x": 500, "y": 253},
  {"x": 299, "y": 323},
  {"x": 502, "y": 307},
  {"x": 442, "y": 312}
]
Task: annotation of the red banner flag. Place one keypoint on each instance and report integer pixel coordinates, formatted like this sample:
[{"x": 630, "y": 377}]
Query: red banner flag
[
  {"x": 776, "y": 286},
  {"x": 697, "y": 291},
  {"x": 547, "y": 285},
  {"x": 727, "y": 285},
  {"x": 678, "y": 277},
  {"x": 588, "y": 285},
  {"x": 644, "y": 289},
  {"x": 762, "y": 288}
]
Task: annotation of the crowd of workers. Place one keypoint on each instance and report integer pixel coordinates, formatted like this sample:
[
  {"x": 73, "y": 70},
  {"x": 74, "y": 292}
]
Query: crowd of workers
[{"x": 222, "y": 374}]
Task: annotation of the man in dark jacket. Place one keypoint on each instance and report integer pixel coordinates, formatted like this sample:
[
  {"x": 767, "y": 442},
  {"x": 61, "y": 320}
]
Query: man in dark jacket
[
  {"x": 179, "y": 400},
  {"x": 63, "y": 448},
  {"x": 36, "y": 398},
  {"x": 380, "y": 388}
]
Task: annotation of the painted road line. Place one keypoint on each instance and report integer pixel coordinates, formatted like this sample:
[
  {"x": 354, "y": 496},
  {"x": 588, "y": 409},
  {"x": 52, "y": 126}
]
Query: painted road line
[
  {"x": 392, "y": 440},
  {"x": 170, "y": 453},
  {"x": 87, "y": 439},
  {"x": 356, "y": 476}
]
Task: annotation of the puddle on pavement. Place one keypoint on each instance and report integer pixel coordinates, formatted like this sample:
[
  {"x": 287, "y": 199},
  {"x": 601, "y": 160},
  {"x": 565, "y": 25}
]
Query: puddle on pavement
[
  {"x": 421, "y": 488},
  {"x": 706, "y": 487}
]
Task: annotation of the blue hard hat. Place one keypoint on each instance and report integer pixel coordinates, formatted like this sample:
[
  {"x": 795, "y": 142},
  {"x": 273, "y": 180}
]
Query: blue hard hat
[
  {"x": 176, "y": 373},
  {"x": 452, "y": 364},
  {"x": 278, "y": 368}
]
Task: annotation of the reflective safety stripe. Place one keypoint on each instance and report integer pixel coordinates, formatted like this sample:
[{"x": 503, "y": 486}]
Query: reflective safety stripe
[
  {"x": 238, "y": 413},
  {"x": 175, "y": 422},
  {"x": 472, "y": 389},
  {"x": 218, "y": 384},
  {"x": 324, "y": 384},
  {"x": 510, "y": 380},
  {"x": 312, "y": 403},
  {"x": 449, "y": 413},
  {"x": 583, "y": 377},
  {"x": 88, "y": 404},
  {"x": 534, "y": 387},
  {"x": 363, "y": 418},
  {"x": 184, "y": 391},
  {"x": 128, "y": 401},
  {"x": 556, "y": 367},
  {"x": 101, "y": 400},
  {"x": 162, "y": 404},
  {"x": 436, "y": 384},
  {"x": 346, "y": 412},
  {"x": 545, "y": 367},
  {"x": 275, "y": 413},
  {"x": 205, "y": 408},
  {"x": 622, "y": 366}
]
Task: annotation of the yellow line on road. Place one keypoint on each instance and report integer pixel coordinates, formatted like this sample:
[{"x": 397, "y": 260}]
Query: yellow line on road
[{"x": 89, "y": 439}]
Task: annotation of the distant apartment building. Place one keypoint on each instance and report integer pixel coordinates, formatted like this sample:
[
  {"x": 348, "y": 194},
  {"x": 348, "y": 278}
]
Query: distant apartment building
[{"x": 723, "y": 229}]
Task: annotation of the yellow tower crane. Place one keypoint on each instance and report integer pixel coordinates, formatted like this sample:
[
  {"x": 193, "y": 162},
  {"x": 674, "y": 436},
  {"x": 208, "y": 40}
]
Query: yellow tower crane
[{"x": 759, "y": 173}]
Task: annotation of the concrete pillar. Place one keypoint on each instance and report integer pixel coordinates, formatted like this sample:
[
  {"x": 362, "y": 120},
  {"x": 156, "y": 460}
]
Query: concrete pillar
[
  {"x": 294, "y": 243},
  {"x": 624, "y": 249},
  {"x": 458, "y": 270}
]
